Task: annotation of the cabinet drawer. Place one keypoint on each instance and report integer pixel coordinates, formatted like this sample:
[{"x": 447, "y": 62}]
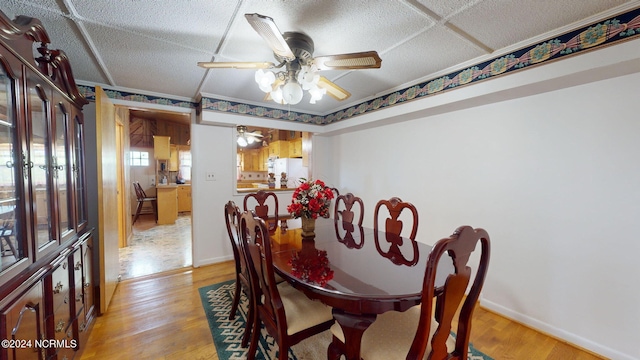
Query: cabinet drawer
[
  {"x": 78, "y": 271},
  {"x": 22, "y": 319},
  {"x": 60, "y": 285}
]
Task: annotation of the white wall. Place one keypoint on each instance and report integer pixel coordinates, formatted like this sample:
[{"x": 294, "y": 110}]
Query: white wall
[
  {"x": 554, "y": 180},
  {"x": 214, "y": 150}
]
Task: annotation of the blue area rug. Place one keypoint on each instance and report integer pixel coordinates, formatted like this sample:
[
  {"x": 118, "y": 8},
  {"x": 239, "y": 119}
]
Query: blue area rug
[{"x": 227, "y": 334}]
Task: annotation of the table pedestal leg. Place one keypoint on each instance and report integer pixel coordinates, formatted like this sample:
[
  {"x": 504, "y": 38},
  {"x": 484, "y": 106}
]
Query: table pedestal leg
[{"x": 353, "y": 326}]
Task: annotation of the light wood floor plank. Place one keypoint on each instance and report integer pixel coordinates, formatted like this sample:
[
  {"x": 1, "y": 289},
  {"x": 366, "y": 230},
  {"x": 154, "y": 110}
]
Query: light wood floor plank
[{"x": 161, "y": 317}]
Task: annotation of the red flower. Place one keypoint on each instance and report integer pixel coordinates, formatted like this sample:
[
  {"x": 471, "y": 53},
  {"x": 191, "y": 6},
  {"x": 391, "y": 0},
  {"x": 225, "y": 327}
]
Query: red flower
[{"x": 310, "y": 200}]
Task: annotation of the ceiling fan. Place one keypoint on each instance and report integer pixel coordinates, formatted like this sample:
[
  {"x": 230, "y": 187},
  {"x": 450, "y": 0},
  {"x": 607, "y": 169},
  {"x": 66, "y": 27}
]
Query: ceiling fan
[
  {"x": 294, "y": 51},
  {"x": 246, "y": 137}
]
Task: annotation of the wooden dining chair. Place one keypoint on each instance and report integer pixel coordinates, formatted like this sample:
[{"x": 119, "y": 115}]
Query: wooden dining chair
[
  {"x": 265, "y": 205},
  {"x": 142, "y": 198},
  {"x": 287, "y": 314},
  {"x": 232, "y": 219},
  {"x": 424, "y": 331},
  {"x": 393, "y": 226},
  {"x": 7, "y": 230},
  {"x": 343, "y": 210}
]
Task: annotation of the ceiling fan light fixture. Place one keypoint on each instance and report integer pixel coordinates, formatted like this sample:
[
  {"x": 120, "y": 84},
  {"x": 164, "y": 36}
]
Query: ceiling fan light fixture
[
  {"x": 265, "y": 80},
  {"x": 316, "y": 94},
  {"x": 242, "y": 141},
  {"x": 276, "y": 95},
  {"x": 292, "y": 92}
]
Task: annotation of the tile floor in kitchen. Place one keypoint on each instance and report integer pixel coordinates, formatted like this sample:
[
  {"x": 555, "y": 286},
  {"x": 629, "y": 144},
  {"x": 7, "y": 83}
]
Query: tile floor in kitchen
[{"x": 156, "y": 248}]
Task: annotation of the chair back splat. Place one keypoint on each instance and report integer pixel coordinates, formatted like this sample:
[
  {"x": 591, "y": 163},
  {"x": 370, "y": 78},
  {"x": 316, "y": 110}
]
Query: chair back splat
[
  {"x": 346, "y": 214},
  {"x": 395, "y": 248},
  {"x": 265, "y": 206}
]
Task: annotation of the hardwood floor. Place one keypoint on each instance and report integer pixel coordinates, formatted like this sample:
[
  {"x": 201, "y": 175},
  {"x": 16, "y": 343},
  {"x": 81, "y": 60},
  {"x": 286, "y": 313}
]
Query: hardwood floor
[{"x": 161, "y": 317}]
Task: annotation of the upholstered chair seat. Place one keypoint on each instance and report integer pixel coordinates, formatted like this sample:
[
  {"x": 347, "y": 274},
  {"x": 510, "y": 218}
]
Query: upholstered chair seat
[{"x": 391, "y": 335}]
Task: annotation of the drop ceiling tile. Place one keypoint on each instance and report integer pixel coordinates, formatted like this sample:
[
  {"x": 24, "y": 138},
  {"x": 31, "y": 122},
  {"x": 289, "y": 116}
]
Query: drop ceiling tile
[
  {"x": 197, "y": 24},
  {"x": 63, "y": 35},
  {"x": 500, "y": 23},
  {"x": 147, "y": 64}
]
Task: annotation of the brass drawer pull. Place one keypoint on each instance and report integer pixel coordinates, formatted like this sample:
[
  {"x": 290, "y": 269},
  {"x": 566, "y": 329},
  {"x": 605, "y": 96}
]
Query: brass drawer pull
[
  {"x": 58, "y": 287},
  {"x": 60, "y": 326}
]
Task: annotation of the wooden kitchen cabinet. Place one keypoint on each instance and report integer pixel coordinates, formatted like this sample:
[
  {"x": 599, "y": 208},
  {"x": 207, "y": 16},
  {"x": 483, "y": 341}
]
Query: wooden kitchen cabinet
[
  {"x": 264, "y": 157},
  {"x": 184, "y": 198},
  {"x": 295, "y": 148},
  {"x": 44, "y": 206},
  {"x": 279, "y": 148},
  {"x": 167, "y": 204},
  {"x": 173, "y": 158},
  {"x": 161, "y": 147},
  {"x": 250, "y": 160}
]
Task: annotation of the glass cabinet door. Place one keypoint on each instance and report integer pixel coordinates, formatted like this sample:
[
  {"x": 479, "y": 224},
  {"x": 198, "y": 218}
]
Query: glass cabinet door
[
  {"x": 62, "y": 170},
  {"x": 78, "y": 171},
  {"x": 14, "y": 246},
  {"x": 41, "y": 171}
]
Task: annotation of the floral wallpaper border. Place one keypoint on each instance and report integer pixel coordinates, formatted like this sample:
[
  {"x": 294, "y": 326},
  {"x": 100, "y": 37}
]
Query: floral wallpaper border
[{"x": 621, "y": 27}]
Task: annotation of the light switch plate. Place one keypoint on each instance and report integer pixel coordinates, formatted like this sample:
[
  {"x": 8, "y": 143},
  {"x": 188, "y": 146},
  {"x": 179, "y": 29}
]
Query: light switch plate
[{"x": 210, "y": 176}]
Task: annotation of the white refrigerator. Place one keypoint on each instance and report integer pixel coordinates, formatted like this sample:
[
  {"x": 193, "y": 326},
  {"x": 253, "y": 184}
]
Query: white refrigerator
[{"x": 294, "y": 169}]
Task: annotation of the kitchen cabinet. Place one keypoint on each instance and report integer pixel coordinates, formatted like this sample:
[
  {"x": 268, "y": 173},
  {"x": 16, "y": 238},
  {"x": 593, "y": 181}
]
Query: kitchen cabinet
[
  {"x": 295, "y": 148},
  {"x": 173, "y": 158},
  {"x": 167, "y": 204},
  {"x": 184, "y": 198},
  {"x": 161, "y": 147},
  {"x": 264, "y": 157},
  {"x": 279, "y": 148},
  {"x": 250, "y": 160},
  {"x": 43, "y": 203}
]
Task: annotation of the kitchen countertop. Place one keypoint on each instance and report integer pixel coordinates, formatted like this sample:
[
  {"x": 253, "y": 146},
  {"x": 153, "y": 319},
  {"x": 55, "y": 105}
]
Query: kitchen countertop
[
  {"x": 251, "y": 190},
  {"x": 170, "y": 185}
]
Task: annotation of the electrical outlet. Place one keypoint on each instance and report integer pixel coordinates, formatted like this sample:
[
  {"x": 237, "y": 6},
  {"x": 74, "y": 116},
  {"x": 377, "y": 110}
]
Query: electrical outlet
[
  {"x": 210, "y": 176},
  {"x": 152, "y": 180}
]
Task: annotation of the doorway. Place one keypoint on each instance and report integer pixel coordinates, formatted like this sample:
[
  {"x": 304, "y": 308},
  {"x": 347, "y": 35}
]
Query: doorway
[{"x": 153, "y": 248}]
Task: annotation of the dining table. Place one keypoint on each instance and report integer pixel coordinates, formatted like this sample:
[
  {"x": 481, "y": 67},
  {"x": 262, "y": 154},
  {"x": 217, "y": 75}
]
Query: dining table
[{"x": 358, "y": 272}]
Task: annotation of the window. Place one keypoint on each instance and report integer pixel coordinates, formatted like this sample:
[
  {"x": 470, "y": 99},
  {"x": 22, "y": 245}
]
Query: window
[
  {"x": 184, "y": 157},
  {"x": 139, "y": 158}
]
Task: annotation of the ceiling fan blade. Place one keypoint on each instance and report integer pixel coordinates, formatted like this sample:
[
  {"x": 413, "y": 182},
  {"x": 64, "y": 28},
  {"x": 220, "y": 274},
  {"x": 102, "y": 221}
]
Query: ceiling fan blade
[
  {"x": 361, "y": 60},
  {"x": 265, "y": 26},
  {"x": 237, "y": 65},
  {"x": 333, "y": 90}
]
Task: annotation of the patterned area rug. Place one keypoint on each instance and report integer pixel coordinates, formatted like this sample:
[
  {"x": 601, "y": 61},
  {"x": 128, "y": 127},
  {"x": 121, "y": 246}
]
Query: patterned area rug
[{"x": 227, "y": 334}]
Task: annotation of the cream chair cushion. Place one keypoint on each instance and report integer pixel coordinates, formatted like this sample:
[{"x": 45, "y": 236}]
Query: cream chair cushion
[
  {"x": 391, "y": 335},
  {"x": 301, "y": 312}
]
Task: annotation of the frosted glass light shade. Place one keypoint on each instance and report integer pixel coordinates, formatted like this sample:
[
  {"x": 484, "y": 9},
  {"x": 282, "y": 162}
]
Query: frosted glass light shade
[
  {"x": 276, "y": 95},
  {"x": 265, "y": 80},
  {"x": 292, "y": 92}
]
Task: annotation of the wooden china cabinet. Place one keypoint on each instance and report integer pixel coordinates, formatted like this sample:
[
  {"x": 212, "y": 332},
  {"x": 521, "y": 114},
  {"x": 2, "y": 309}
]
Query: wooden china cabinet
[{"x": 46, "y": 282}]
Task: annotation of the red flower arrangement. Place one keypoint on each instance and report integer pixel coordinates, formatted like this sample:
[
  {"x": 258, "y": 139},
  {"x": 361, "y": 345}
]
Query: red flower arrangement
[
  {"x": 312, "y": 266},
  {"x": 310, "y": 200}
]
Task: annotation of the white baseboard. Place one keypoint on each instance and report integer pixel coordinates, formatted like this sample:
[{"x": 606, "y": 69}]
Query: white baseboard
[
  {"x": 211, "y": 261},
  {"x": 556, "y": 332}
]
